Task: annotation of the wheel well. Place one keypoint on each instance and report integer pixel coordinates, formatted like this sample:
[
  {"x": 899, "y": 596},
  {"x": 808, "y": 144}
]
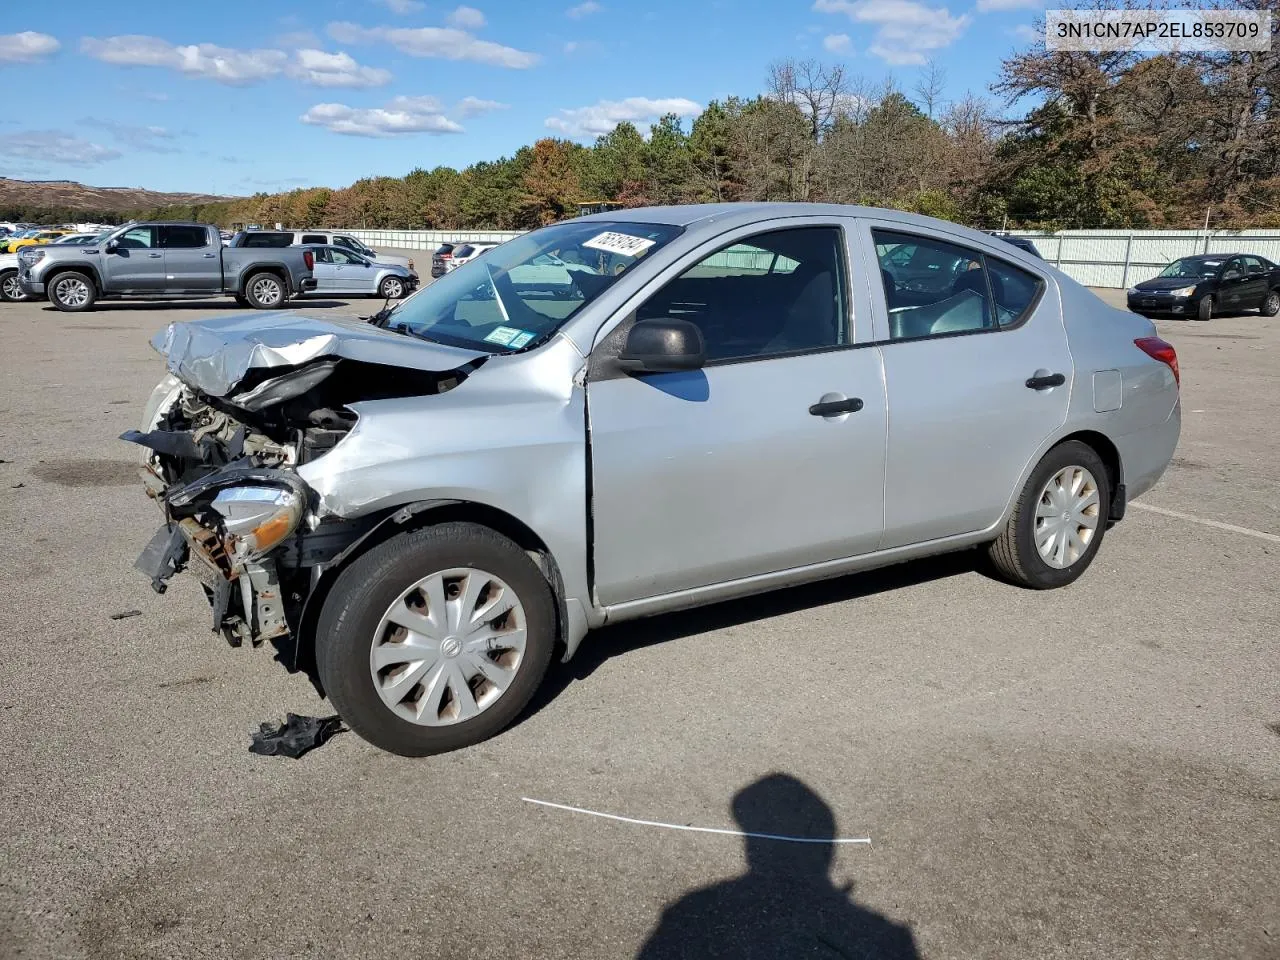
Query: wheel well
[
  {"x": 1107, "y": 452},
  {"x": 85, "y": 272},
  {"x": 277, "y": 272},
  {"x": 429, "y": 515}
]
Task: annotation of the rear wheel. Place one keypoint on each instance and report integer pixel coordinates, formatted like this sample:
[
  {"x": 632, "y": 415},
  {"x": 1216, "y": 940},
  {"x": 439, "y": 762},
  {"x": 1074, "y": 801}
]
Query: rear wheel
[
  {"x": 10, "y": 288},
  {"x": 72, "y": 292},
  {"x": 1059, "y": 520},
  {"x": 436, "y": 639},
  {"x": 391, "y": 288},
  {"x": 1205, "y": 310},
  {"x": 264, "y": 291},
  {"x": 1271, "y": 305}
]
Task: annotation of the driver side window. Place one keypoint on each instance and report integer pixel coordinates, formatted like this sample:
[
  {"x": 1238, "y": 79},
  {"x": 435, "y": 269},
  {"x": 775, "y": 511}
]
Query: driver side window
[
  {"x": 139, "y": 238},
  {"x": 771, "y": 294},
  {"x": 341, "y": 257}
]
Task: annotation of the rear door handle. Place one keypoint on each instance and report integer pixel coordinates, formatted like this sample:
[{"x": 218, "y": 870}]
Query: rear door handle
[
  {"x": 155, "y": 256},
  {"x": 833, "y": 408},
  {"x": 210, "y": 256},
  {"x": 1045, "y": 381}
]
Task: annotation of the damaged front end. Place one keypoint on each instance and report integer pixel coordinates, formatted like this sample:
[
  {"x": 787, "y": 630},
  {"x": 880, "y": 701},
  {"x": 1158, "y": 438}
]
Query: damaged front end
[{"x": 222, "y": 458}]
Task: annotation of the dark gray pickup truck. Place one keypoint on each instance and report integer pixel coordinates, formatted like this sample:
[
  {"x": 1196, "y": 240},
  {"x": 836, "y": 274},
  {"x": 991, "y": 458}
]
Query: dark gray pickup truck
[{"x": 163, "y": 261}]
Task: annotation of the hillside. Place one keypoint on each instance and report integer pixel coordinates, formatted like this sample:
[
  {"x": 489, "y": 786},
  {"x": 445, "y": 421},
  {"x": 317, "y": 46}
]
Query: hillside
[{"x": 69, "y": 195}]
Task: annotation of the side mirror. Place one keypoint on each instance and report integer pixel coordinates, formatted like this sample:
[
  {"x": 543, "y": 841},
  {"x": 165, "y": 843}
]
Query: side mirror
[
  {"x": 111, "y": 246},
  {"x": 1231, "y": 275},
  {"x": 664, "y": 345}
]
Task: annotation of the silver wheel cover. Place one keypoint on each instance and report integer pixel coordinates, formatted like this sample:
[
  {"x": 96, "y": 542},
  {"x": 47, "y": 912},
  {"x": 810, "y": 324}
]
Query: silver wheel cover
[
  {"x": 395, "y": 289},
  {"x": 1067, "y": 516},
  {"x": 12, "y": 288},
  {"x": 449, "y": 647},
  {"x": 267, "y": 290}
]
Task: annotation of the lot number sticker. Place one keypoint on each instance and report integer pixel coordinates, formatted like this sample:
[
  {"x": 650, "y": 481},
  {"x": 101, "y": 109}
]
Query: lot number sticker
[
  {"x": 505, "y": 336},
  {"x": 622, "y": 244}
]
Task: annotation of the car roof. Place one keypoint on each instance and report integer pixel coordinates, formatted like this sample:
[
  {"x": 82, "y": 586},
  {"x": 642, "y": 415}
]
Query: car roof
[{"x": 722, "y": 216}]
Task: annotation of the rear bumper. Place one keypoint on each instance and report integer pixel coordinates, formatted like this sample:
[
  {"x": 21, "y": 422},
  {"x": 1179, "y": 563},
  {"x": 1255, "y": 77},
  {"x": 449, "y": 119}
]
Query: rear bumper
[
  {"x": 1145, "y": 454},
  {"x": 307, "y": 285}
]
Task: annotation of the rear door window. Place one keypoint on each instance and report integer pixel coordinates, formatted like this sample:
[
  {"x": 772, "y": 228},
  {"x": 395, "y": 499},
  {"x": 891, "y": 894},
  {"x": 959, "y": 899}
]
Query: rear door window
[
  {"x": 258, "y": 238},
  {"x": 179, "y": 237}
]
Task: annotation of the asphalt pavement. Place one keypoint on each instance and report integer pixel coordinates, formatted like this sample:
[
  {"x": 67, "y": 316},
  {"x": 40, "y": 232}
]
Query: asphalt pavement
[{"x": 1092, "y": 772}]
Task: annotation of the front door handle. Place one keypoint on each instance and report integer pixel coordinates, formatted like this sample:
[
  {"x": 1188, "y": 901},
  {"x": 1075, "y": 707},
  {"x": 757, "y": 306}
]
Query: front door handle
[
  {"x": 1045, "y": 381},
  {"x": 834, "y": 408},
  {"x": 210, "y": 256},
  {"x": 155, "y": 256}
]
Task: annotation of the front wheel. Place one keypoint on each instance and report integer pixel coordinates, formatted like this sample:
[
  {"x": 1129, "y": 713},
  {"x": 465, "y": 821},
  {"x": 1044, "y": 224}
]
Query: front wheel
[
  {"x": 1271, "y": 305},
  {"x": 435, "y": 639},
  {"x": 264, "y": 291},
  {"x": 1059, "y": 520},
  {"x": 72, "y": 292},
  {"x": 1205, "y": 309},
  {"x": 391, "y": 288}
]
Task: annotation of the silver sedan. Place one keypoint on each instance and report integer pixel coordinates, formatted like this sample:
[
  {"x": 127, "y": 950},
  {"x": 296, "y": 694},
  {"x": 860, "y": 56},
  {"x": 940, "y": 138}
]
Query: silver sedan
[
  {"x": 341, "y": 271},
  {"x": 711, "y": 402}
]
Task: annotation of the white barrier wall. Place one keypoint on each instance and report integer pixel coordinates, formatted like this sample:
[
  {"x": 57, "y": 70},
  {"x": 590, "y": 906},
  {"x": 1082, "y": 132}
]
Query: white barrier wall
[{"x": 1096, "y": 258}]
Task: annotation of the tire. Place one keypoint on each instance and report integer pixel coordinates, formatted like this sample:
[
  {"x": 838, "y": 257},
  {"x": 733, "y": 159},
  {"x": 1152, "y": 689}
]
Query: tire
[
  {"x": 391, "y": 288},
  {"x": 265, "y": 291},
  {"x": 1271, "y": 305},
  {"x": 10, "y": 290},
  {"x": 72, "y": 292},
  {"x": 1205, "y": 310},
  {"x": 353, "y": 622},
  {"x": 1016, "y": 554}
]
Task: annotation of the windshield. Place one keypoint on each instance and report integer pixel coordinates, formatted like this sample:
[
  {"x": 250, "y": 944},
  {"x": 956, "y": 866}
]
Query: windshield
[
  {"x": 1191, "y": 268},
  {"x": 521, "y": 292}
]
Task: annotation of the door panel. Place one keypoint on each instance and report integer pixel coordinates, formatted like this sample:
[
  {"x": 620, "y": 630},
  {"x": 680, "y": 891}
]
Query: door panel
[
  {"x": 711, "y": 475},
  {"x": 137, "y": 264},
  {"x": 962, "y": 421},
  {"x": 722, "y": 473},
  {"x": 188, "y": 267}
]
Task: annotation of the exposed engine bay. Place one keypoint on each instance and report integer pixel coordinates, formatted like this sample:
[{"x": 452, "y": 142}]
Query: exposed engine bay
[{"x": 223, "y": 470}]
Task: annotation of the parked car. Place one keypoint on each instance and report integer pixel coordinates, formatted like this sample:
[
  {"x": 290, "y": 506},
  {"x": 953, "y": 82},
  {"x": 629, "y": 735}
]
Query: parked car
[
  {"x": 76, "y": 238},
  {"x": 435, "y": 503},
  {"x": 1208, "y": 284},
  {"x": 440, "y": 259},
  {"x": 286, "y": 238},
  {"x": 13, "y": 238},
  {"x": 341, "y": 271},
  {"x": 10, "y": 287},
  {"x": 35, "y": 238},
  {"x": 466, "y": 252},
  {"x": 162, "y": 261},
  {"x": 1022, "y": 243}
]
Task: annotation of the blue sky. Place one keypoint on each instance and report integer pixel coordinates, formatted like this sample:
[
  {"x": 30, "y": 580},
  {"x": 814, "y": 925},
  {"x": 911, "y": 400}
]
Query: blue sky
[{"x": 242, "y": 96}]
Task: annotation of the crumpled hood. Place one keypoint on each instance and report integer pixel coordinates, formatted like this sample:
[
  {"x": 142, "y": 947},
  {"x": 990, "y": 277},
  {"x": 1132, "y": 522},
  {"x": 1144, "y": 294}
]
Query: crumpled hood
[{"x": 214, "y": 354}]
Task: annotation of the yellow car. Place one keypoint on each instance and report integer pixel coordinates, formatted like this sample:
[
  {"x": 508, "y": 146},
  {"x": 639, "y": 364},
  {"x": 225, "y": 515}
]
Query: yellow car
[{"x": 44, "y": 236}]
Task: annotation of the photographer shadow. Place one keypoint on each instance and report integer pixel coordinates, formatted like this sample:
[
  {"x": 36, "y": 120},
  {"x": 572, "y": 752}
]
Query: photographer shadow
[{"x": 784, "y": 905}]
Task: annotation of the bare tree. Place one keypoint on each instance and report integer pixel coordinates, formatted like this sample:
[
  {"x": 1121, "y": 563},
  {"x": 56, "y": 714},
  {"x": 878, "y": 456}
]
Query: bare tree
[{"x": 930, "y": 87}]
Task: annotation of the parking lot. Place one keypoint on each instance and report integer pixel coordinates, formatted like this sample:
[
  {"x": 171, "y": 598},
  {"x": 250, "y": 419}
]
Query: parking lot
[{"x": 1090, "y": 772}]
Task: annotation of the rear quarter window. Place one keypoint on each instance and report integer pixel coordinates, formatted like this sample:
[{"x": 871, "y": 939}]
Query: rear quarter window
[{"x": 259, "y": 239}]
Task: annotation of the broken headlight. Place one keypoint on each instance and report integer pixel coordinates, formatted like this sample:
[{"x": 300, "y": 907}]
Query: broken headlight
[{"x": 257, "y": 518}]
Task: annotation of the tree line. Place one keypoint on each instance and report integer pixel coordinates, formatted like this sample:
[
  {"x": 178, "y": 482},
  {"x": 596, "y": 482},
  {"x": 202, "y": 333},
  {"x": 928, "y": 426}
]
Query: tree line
[{"x": 1065, "y": 140}]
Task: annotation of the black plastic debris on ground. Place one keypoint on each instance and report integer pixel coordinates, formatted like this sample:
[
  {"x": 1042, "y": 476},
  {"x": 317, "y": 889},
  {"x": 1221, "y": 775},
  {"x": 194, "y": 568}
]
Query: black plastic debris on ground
[
  {"x": 126, "y": 614},
  {"x": 296, "y": 736}
]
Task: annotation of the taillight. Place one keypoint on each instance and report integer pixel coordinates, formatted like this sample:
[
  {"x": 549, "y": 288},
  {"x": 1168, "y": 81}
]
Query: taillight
[
  {"x": 309, "y": 259},
  {"x": 1161, "y": 350},
  {"x": 446, "y": 256}
]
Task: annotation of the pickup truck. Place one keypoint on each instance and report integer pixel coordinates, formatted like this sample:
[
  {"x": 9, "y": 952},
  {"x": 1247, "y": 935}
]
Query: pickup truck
[{"x": 163, "y": 261}]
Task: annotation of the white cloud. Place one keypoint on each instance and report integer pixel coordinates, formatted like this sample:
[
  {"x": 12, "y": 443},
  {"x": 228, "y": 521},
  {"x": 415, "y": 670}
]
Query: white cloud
[
  {"x": 474, "y": 106},
  {"x": 837, "y": 43},
  {"x": 466, "y": 18},
  {"x": 321, "y": 69},
  {"x": 150, "y": 138},
  {"x": 27, "y": 47},
  {"x": 53, "y": 146},
  {"x": 223, "y": 64},
  {"x": 583, "y": 47},
  {"x": 1026, "y": 34},
  {"x": 444, "y": 43},
  {"x": 296, "y": 39},
  {"x": 403, "y": 115},
  {"x": 402, "y": 7},
  {"x": 583, "y": 10},
  {"x": 317, "y": 68},
  {"x": 906, "y": 29},
  {"x": 986, "y": 6},
  {"x": 607, "y": 114}
]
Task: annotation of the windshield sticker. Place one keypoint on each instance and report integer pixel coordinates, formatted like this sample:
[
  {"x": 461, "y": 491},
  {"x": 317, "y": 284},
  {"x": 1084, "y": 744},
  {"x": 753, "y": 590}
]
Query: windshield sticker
[
  {"x": 622, "y": 244},
  {"x": 504, "y": 335},
  {"x": 520, "y": 340}
]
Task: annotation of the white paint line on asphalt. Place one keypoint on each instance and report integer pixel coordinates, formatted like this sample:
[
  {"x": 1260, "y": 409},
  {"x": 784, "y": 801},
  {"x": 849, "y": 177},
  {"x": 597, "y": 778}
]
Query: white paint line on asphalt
[
  {"x": 1216, "y": 524},
  {"x": 677, "y": 826}
]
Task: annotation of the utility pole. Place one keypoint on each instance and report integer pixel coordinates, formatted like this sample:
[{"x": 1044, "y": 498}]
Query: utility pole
[{"x": 1206, "y": 227}]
